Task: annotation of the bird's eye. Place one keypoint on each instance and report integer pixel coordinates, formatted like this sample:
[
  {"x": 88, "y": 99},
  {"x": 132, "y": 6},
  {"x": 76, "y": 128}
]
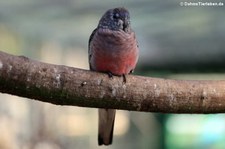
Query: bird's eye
[{"x": 116, "y": 16}]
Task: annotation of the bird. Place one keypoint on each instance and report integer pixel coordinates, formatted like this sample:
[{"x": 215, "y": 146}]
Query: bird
[{"x": 112, "y": 49}]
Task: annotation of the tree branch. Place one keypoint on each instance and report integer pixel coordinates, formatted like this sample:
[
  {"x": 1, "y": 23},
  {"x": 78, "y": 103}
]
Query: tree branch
[{"x": 62, "y": 85}]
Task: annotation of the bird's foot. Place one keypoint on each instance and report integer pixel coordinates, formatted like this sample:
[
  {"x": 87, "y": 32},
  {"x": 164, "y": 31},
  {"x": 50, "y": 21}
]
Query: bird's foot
[
  {"x": 110, "y": 75},
  {"x": 124, "y": 78}
]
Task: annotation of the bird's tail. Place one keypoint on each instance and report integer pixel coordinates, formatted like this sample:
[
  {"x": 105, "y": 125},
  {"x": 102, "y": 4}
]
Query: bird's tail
[{"x": 105, "y": 126}]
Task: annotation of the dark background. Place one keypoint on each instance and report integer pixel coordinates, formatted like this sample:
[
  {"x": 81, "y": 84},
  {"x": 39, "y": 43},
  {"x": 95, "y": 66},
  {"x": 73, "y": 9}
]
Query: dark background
[{"x": 177, "y": 42}]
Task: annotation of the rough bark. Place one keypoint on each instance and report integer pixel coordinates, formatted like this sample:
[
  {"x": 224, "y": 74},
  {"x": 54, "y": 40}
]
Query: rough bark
[{"x": 62, "y": 85}]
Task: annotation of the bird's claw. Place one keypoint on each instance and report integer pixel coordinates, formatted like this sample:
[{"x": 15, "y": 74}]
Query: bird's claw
[
  {"x": 110, "y": 75},
  {"x": 124, "y": 78}
]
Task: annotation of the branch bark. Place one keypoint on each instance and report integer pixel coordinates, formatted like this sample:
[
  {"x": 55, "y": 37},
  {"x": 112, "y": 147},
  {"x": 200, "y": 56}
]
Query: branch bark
[{"x": 62, "y": 85}]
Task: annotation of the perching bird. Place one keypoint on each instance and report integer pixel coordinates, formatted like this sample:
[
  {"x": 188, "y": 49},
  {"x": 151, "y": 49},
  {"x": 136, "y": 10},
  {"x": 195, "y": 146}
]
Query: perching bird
[{"x": 113, "y": 49}]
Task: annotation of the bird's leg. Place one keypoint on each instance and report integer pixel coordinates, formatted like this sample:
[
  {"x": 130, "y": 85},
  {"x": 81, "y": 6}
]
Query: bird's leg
[
  {"x": 124, "y": 78},
  {"x": 110, "y": 74}
]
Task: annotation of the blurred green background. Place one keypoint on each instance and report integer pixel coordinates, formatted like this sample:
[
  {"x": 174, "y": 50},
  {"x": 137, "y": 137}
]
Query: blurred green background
[{"x": 175, "y": 42}]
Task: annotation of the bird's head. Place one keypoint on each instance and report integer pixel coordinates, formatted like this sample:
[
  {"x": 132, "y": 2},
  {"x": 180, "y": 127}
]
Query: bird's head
[{"x": 116, "y": 19}]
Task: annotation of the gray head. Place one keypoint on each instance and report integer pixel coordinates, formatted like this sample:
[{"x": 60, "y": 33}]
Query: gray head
[{"x": 116, "y": 19}]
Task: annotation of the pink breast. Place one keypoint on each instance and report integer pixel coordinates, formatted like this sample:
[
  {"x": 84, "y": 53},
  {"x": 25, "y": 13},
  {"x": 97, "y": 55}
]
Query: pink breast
[
  {"x": 117, "y": 65},
  {"x": 114, "y": 52}
]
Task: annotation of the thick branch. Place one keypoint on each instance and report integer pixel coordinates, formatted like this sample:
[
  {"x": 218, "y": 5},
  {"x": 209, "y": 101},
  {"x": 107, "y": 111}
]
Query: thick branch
[{"x": 62, "y": 85}]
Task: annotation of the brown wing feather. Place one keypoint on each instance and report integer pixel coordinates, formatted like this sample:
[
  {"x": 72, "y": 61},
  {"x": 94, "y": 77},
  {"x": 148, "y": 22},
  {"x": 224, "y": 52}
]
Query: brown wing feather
[{"x": 89, "y": 49}]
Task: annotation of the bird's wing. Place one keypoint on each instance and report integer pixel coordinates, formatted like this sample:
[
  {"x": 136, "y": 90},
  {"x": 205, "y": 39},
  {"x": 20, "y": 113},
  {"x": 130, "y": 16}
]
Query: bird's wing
[{"x": 89, "y": 49}]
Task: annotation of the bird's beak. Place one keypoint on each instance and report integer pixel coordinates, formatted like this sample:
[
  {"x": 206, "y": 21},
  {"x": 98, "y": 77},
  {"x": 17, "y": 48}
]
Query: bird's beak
[{"x": 126, "y": 24}]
